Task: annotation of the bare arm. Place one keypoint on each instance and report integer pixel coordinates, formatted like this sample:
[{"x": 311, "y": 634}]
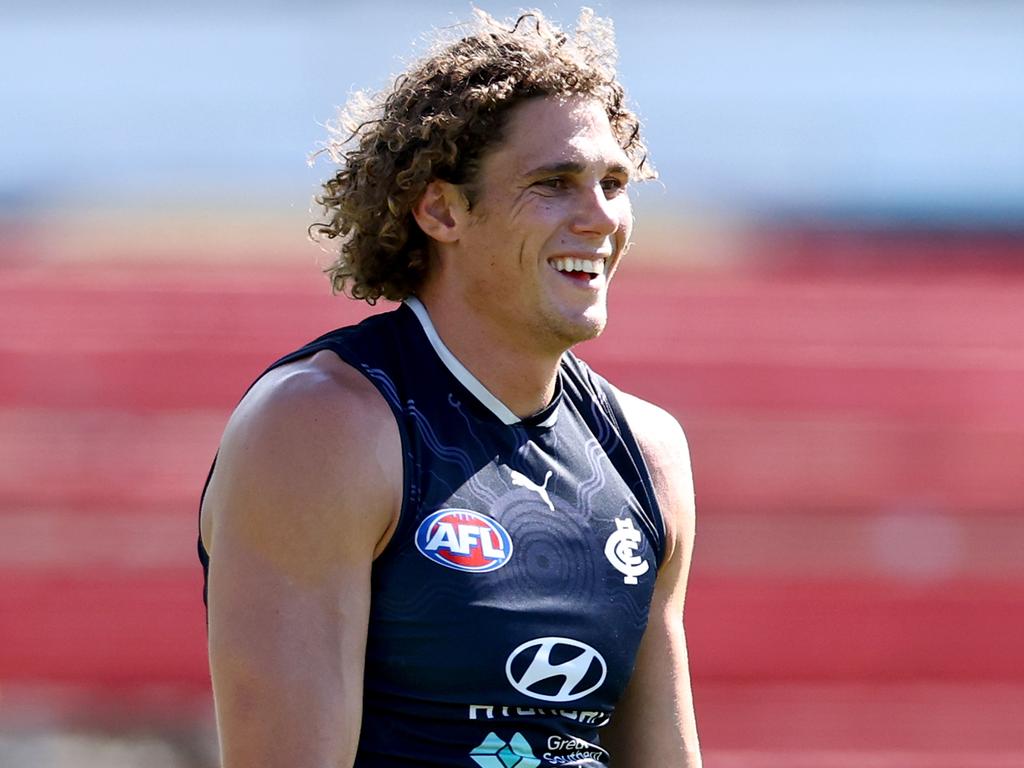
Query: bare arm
[
  {"x": 654, "y": 722},
  {"x": 306, "y": 491}
]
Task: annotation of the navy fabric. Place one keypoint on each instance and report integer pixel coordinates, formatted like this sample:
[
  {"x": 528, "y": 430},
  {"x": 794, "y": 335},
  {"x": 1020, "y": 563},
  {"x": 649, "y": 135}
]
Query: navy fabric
[{"x": 508, "y": 606}]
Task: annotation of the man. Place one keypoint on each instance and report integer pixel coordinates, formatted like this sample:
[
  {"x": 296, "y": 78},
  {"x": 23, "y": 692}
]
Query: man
[{"x": 437, "y": 538}]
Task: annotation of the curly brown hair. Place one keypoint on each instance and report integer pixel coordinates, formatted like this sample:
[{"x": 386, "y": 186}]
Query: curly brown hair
[{"x": 436, "y": 122}]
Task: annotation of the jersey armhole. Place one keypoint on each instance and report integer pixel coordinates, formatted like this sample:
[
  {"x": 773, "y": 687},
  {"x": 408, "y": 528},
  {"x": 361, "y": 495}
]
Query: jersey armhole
[
  {"x": 613, "y": 410},
  {"x": 386, "y": 389}
]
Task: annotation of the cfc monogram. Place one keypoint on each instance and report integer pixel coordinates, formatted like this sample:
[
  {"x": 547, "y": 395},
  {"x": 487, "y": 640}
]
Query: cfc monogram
[{"x": 619, "y": 549}]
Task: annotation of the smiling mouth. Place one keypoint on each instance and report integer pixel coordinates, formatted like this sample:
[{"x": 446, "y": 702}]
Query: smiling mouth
[{"x": 579, "y": 269}]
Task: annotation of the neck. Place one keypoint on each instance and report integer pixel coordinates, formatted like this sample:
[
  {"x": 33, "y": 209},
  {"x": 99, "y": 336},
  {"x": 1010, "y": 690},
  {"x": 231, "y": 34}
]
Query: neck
[{"x": 522, "y": 378}]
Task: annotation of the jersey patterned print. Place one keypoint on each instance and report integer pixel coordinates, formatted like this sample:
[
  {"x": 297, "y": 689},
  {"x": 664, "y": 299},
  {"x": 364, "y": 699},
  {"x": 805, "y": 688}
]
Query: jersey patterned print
[{"x": 509, "y": 604}]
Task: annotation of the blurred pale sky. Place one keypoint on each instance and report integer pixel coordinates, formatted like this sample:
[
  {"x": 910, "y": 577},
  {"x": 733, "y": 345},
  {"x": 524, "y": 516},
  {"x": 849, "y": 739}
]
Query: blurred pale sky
[{"x": 899, "y": 110}]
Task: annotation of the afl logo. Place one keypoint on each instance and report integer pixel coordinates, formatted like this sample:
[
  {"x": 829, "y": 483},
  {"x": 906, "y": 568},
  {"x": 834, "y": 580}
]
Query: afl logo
[
  {"x": 464, "y": 540},
  {"x": 555, "y": 669}
]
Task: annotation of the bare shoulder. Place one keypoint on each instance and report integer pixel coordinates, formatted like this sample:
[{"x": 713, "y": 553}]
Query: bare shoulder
[
  {"x": 657, "y": 431},
  {"x": 665, "y": 449},
  {"x": 311, "y": 451}
]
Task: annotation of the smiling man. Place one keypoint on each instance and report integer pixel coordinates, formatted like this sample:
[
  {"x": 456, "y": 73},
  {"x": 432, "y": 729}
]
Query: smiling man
[{"x": 437, "y": 538}]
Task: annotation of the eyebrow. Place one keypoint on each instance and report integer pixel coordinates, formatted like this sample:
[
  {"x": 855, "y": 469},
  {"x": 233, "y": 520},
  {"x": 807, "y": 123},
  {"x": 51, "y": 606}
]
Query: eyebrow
[{"x": 574, "y": 166}]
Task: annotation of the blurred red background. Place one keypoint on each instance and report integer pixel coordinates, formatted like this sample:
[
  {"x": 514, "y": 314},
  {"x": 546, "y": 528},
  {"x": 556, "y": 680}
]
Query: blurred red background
[{"x": 854, "y": 407}]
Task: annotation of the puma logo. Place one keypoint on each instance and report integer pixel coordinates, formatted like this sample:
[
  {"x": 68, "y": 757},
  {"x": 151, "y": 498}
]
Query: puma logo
[{"x": 518, "y": 478}]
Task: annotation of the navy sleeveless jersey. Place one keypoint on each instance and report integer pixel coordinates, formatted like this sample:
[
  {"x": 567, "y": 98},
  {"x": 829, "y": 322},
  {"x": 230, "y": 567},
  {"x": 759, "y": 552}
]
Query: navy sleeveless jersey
[{"x": 508, "y": 607}]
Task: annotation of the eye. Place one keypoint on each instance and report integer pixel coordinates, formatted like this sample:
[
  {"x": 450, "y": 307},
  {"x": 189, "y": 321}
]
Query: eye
[
  {"x": 612, "y": 186},
  {"x": 555, "y": 183}
]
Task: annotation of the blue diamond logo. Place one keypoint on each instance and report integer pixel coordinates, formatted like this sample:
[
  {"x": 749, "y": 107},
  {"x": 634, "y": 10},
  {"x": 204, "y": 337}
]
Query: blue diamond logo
[{"x": 495, "y": 752}]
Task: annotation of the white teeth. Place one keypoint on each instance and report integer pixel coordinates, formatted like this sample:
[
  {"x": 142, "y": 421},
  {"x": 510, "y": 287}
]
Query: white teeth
[{"x": 566, "y": 264}]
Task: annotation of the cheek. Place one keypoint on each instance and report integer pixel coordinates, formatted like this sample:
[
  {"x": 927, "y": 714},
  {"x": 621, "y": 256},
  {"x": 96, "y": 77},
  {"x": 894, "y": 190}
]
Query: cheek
[{"x": 542, "y": 218}]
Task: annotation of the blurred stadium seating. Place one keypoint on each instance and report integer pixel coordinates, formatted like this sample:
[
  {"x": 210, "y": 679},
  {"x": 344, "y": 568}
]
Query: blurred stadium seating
[{"x": 857, "y": 438}]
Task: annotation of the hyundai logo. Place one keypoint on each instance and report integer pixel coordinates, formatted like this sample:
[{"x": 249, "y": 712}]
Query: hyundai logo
[{"x": 555, "y": 669}]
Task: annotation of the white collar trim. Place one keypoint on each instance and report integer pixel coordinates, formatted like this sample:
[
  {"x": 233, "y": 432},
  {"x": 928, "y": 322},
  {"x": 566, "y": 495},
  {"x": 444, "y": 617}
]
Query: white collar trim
[{"x": 460, "y": 372}]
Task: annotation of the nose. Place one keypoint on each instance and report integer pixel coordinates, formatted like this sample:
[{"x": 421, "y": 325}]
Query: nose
[{"x": 597, "y": 214}]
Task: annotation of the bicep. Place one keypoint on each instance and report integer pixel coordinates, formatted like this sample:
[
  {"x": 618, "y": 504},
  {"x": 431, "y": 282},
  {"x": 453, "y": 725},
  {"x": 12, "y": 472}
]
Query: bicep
[
  {"x": 653, "y": 722},
  {"x": 286, "y": 658}
]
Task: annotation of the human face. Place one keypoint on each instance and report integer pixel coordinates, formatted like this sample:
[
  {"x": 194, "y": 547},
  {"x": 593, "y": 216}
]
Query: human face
[{"x": 549, "y": 224}]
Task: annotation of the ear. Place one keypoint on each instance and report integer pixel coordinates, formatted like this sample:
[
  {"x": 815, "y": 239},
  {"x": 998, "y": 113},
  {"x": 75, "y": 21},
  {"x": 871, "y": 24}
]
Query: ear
[{"x": 438, "y": 211}]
